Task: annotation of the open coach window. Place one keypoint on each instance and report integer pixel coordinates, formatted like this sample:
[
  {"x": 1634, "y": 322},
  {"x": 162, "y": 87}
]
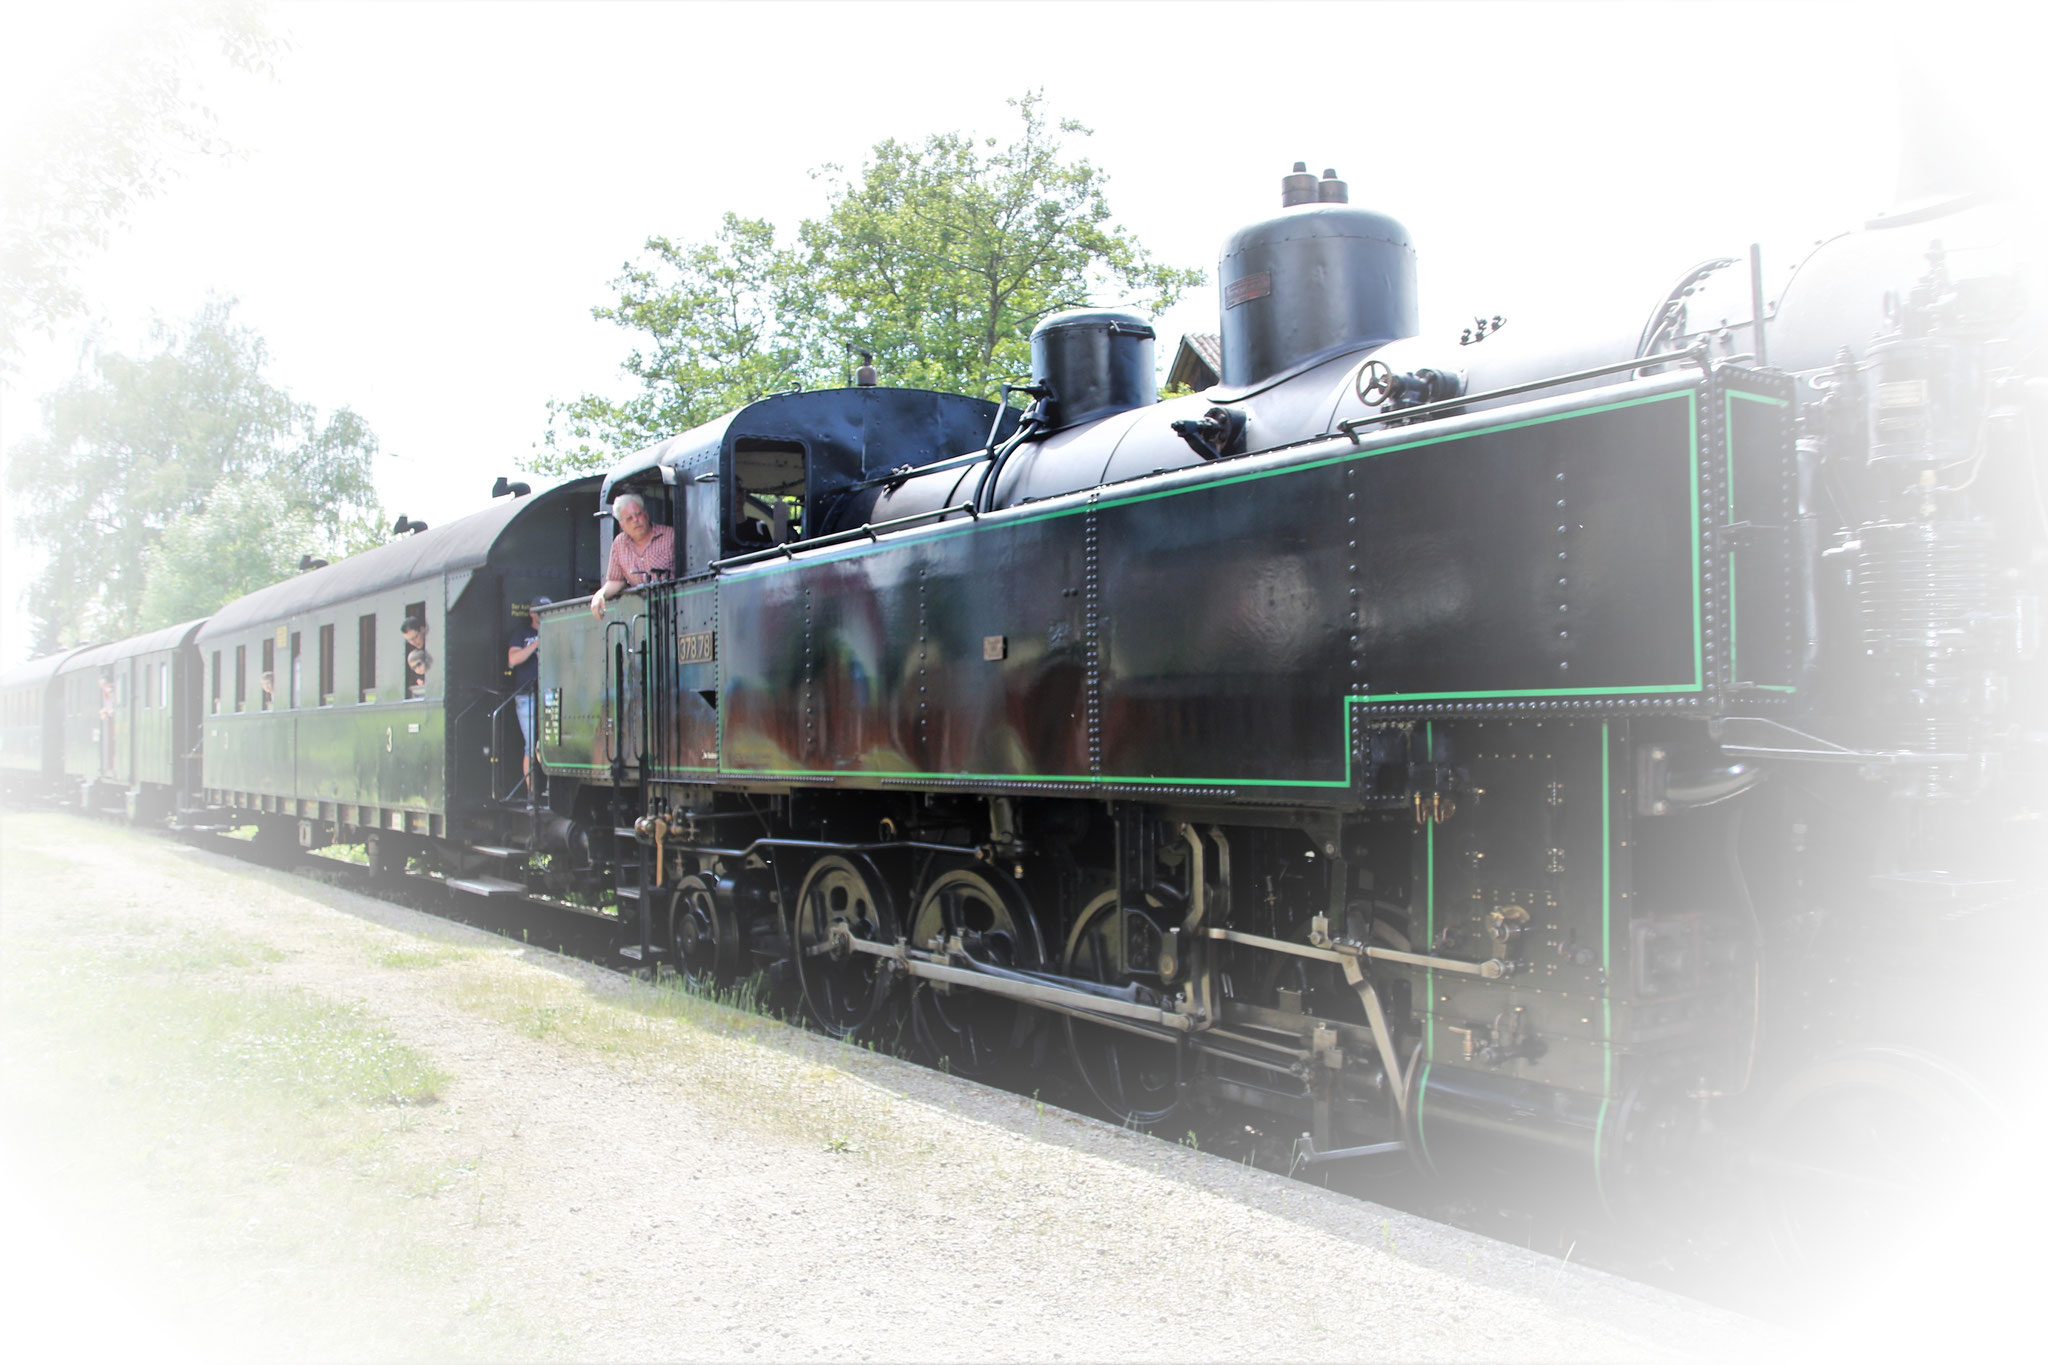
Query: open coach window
[{"x": 412, "y": 644}]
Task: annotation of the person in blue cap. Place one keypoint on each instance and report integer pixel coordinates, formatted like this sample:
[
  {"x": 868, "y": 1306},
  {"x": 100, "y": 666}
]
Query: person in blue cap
[{"x": 523, "y": 659}]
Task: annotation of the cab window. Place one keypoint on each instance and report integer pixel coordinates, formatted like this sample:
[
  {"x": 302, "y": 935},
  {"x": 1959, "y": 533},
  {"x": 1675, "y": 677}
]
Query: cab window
[{"x": 767, "y": 507}]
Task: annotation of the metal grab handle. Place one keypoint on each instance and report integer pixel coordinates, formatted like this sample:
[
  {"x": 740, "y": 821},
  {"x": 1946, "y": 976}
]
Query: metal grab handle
[{"x": 615, "y": 680}]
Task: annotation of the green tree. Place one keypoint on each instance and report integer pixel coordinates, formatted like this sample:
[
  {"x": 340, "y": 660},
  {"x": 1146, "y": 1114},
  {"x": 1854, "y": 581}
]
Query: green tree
[
  {"x": 145, "y": 464},
  {"x": 110, "y": 134},
  {"x": 247, "y": 536},
  {"x": 938, "y": 259},
  {"x": 941, "y": 258},
  {"x": 708, "y": 314}
]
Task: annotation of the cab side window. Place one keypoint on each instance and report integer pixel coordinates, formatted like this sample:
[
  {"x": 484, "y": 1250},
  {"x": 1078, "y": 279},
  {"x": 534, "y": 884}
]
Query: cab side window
[{"x": 767, "y": 494}]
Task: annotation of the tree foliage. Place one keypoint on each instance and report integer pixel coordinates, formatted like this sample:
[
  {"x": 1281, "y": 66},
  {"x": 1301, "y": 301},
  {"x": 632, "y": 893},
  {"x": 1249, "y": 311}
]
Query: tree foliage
[
  {"x": 941, "y": 258},
  {"x": 166, "y": 484},
  {"x": 937, "y": 258},
  {"x": 707, "y": 339},
  {"x": 107, "y": 136}
]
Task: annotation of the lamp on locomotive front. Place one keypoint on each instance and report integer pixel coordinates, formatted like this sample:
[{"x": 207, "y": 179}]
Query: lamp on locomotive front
[{"x": 1318, "y": 279}]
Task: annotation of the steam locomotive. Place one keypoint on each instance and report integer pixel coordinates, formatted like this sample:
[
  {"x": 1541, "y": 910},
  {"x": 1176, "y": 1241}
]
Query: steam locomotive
[
  {"x": 1606, "y": 766},
  {"x": 1603, "y": 766}
]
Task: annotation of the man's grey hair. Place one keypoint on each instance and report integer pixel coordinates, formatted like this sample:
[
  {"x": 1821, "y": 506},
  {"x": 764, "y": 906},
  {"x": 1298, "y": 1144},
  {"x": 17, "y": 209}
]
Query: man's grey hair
[{"x": 628, "y": 500}]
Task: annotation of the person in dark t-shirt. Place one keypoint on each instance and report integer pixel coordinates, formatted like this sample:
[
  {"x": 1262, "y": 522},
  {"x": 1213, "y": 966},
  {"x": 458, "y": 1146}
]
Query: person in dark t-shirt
[{"x": 523, "y": 658}]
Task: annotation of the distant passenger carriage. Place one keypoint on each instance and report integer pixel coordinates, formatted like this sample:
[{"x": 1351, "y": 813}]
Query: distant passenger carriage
[
  {"x": 345, "y": 737},
  {"x": 31, "y": 723},
  {"x": 128, "y": 722}
]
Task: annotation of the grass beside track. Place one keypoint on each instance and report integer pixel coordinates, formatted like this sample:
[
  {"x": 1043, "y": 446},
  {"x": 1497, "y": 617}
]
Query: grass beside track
[{"x": 195, "y": 1108}]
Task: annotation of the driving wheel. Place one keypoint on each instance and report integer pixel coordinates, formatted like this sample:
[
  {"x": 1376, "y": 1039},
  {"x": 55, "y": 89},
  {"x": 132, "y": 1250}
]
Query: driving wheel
[
  {"x": 1135, "y": 1077},
  {"x": 704, "y": 932},
  {"x": 1852, "y": 1141},
  {"x": 965, "y": 1030},
  {"x": 842, "y": 900}
]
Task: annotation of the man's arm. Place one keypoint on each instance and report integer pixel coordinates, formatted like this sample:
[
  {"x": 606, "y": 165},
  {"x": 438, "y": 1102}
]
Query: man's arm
[{"x": 614, "y": 582}]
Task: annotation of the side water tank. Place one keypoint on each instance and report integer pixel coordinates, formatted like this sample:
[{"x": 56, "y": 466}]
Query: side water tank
[
  {"x": 1317, "y": 279},
  {"x": 1095, "y": 361}
]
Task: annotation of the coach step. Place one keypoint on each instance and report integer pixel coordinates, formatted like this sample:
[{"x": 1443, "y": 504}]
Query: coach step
[{"x": 486, "y": 886}]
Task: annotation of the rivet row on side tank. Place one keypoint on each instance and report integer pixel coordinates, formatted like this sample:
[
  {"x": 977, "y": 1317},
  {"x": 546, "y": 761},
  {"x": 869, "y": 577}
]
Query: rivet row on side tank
[{"x": 1093, "y": 597}]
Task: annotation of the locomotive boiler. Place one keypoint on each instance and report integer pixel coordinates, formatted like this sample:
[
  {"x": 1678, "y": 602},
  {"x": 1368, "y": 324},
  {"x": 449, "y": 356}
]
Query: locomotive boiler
[{"x": 1608, "y": 764}]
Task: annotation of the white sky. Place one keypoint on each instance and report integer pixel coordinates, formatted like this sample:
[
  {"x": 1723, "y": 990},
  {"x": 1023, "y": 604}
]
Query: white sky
[{"x": 429, "y": 198}]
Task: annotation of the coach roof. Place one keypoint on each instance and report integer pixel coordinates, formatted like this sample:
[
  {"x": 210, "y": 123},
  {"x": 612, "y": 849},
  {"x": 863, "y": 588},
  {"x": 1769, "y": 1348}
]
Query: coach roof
[
  {"x": 455, "y": 547},
  {"x": 38, "y": 670},
  {"x": 170, "y": 637}
]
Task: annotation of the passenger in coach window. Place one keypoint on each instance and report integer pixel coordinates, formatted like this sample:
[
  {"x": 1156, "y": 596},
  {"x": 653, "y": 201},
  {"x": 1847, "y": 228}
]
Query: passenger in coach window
[
  {"x": 417, "y": 660},
  {"x": 641, "y": 552},
  {"x": 105, "y": 735}
]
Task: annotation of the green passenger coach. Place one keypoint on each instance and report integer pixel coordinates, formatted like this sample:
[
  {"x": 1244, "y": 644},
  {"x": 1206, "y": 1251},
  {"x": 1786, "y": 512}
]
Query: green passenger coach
[{"x": 318, "y": 708}]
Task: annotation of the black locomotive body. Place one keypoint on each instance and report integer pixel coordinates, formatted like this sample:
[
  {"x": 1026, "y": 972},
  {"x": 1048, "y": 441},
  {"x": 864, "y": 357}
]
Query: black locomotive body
[{"x": 1542, "y": 759}]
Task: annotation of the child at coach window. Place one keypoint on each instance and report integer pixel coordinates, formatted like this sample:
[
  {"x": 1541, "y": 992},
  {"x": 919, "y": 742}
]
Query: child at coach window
[{"x": 417, "y": 660}]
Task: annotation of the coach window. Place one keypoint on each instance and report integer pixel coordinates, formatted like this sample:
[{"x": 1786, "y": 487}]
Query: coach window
[
  {"x": 292, "y": 697},
  {"x": 327, "y": 665},
  {"x": 366, "y": 657},
  {"x": 415, "y": 659},
  {"x": 241, "y": 677},
  {"x": 268, "y": 682},
  {"x": 213, "y": 693}
]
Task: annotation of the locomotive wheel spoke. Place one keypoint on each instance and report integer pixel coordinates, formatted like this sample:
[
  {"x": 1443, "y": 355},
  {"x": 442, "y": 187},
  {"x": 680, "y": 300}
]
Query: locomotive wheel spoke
[
  {"x": 842, "y": 990},
  {"x": 969, "y": 1032},
  {"x": 1136, "y": 1079}
]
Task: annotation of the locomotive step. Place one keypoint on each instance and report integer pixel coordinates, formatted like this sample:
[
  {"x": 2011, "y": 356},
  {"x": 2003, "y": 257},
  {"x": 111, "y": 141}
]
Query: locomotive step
[
  {"x": 486, "y": 886},
  {"x": 632, "y": 950}
]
